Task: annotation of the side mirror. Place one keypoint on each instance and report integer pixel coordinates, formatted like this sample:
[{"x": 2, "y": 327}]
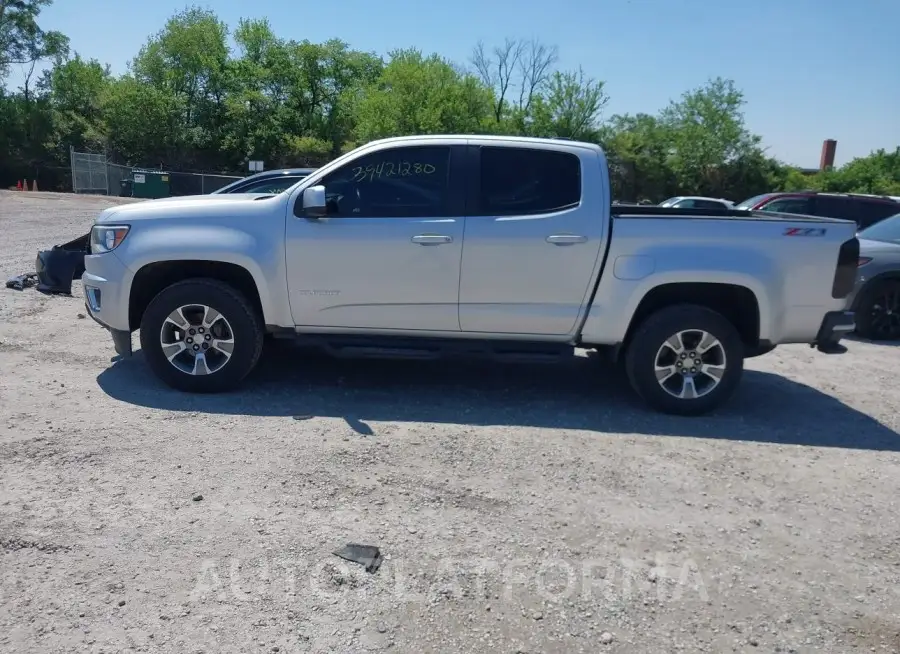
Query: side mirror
[{"x": 314, "y": 202}]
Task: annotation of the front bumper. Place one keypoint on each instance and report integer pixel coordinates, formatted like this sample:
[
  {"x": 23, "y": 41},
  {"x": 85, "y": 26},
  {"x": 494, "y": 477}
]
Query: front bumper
[
  {"x": 835, "y": 325},
  {"x": 106, "y": 283}
]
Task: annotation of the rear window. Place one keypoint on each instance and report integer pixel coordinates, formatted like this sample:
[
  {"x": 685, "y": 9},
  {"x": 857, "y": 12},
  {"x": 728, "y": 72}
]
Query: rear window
[{"x": 521, "y": 181}]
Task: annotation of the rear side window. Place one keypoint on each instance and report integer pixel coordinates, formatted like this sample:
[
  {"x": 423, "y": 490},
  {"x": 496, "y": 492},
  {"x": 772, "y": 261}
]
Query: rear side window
[
  {"x": 787, "y": 205},
  {"x": 829, "y": 207},
  {"x": 520, "y": 181}
]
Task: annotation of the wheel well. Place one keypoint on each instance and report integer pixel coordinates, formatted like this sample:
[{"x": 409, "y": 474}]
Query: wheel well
[
  {"x": 737, "y": 303},
  {"x": 154, "y": 277}
]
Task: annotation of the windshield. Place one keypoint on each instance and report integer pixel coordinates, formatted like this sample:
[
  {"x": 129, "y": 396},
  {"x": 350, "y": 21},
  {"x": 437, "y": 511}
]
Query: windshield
[
  {"x": 749, "y": 203},
  {"x": 884, "y": 230},
  {"x": 669, "y": 202}
]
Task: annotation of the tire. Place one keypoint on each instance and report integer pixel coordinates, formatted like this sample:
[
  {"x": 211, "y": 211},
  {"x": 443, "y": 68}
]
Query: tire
[
  {"x": 872, "y": 320},
  {"x": 240, "y": 321},
  {"x": 648, "y": 346}
]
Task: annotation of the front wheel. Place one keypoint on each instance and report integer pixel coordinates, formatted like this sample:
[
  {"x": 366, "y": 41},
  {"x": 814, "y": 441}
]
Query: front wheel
[
  {"x": 685, "y": 360},
  {"x": 201, "y": 336},
  {"x": 878, "y": 312}
]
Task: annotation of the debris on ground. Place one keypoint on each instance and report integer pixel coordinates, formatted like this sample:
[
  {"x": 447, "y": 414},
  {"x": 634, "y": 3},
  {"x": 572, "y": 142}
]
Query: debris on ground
[
  {"x": 366, "y": 555},
  {"x": 21, "y": 282}
]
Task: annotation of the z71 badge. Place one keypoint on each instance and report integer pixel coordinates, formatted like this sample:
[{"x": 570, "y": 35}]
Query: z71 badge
[{"x": 805, "y": 231}]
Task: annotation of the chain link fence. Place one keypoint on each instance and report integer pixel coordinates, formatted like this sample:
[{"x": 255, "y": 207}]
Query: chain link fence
[
  {"x": 93, "y": 173},
  {"x": 89, "y": 172}
]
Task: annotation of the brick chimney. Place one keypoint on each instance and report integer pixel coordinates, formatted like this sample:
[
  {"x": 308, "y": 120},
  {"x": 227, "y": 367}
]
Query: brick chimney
[{"x": 829, "y": 147}]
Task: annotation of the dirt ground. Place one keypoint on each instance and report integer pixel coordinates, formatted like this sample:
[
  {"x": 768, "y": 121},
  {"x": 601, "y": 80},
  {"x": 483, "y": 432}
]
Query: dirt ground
[{"x": 519, "y": 509}]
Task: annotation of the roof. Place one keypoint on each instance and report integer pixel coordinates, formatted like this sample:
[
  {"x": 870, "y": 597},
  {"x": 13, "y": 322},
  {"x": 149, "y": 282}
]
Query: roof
[{"x": 533, "y": 140}]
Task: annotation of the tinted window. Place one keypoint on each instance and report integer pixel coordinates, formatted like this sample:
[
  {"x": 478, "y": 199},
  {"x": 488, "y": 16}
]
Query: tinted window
[
  {"x": 518, "y": 181},
  {"x": 873, "y": 212},
  {"x": 397, "y": 183},
  {"x": 885, "y": 230},
  {"x": 709, "y": 204},
  {"x": 831, "y": 207},
  {"x": 273, "y": 185},
  {"x": 788, "y": 205}
]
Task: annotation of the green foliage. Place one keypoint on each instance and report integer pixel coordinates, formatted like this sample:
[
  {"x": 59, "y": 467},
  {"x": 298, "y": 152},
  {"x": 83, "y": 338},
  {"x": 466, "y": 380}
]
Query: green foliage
[{"x": 191, "y": 101}]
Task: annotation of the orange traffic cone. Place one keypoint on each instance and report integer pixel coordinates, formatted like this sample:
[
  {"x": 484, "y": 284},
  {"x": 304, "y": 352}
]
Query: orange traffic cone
[
  {"x": 19, "y": 185},
  {"x": 34, "y": 185}
]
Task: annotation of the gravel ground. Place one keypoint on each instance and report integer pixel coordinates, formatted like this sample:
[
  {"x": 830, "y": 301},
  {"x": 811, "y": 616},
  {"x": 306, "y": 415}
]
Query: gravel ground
[{"x": 520, "y": 509}]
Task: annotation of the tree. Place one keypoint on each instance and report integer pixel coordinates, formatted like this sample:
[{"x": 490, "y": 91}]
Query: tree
[
  {"x": 706, "y": 128},
  {"x": 22, "y": 41},
  {"x": 421, "y": 95},
  {"x": 516, "y": 66},
  {"x": 570, "y": 108}
]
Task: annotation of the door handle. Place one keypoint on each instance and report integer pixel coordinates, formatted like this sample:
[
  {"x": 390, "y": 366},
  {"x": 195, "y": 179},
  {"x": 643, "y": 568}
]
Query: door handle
[
  {"x": 566, "y": 239},
  {"x": 432, "y": 239}
]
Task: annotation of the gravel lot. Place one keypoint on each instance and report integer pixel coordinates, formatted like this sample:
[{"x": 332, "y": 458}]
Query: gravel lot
[{"x": 521, "y": 509}]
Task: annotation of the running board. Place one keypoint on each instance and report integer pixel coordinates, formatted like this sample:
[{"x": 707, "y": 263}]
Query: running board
[{"x": 368, "y": 347}]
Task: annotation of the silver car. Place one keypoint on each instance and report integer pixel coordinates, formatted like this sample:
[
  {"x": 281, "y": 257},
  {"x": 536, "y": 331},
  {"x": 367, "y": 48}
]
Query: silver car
[{"x": 876, "y": 298}]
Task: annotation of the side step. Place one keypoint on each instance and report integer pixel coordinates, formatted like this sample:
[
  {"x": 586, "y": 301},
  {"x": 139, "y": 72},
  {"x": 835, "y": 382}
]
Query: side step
[{"x": 379, "y": 347}]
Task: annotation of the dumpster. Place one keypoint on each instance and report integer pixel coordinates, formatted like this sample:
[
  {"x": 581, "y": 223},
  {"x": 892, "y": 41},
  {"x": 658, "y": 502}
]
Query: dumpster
[{"x": 150, "y": 183}]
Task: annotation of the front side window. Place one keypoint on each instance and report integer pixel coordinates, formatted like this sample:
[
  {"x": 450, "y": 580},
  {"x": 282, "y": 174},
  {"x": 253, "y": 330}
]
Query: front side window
[
  {"x": 521, "y": 181},
  {"x": 396, "y": 183}
]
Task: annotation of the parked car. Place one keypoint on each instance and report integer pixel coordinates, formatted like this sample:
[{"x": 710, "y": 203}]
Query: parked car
[
  {"x": 865, "y": 210},
  {"x": 696, "y": 202},
  {"x": 268, "y": 181},
  {"x": 876, "y": 297},
  {"x": 420, "y": 246}
]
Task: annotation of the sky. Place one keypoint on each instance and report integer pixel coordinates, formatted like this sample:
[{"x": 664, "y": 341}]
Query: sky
[{"x": 809, "y": 69}]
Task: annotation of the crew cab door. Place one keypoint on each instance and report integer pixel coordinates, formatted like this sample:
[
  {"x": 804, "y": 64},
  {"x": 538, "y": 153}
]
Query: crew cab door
[
  {"x": 387, "y": 254},
  {"x": 534, "y": 229}
]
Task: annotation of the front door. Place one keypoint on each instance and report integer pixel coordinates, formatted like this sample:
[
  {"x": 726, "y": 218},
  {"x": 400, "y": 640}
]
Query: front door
[
  {"x": 387, "y": 255},
  {"x": 533, "y": 238}
]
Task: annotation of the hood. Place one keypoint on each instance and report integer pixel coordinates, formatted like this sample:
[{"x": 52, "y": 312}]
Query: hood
[
  {"x": 186, "y": 205},
  {"x": 871, "y": 248}
]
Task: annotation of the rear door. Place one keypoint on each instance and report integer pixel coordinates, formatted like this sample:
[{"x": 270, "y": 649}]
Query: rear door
[{"x": 533, "y": 235}]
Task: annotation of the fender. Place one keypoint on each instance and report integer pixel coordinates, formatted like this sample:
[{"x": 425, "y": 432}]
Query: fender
[
  {"x": 259, "y": 251},
  {"x": 630, "y": 277}
]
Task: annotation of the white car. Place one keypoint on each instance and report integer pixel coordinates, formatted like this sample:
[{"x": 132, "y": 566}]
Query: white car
[{"x": 696, "y": 202}]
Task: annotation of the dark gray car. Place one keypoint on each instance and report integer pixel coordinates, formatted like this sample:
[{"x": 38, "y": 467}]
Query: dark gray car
[{"x": 876, "y": 298}]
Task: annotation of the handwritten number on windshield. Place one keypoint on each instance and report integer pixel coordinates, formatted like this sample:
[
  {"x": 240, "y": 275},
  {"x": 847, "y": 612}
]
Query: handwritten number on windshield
[{"x": 391, "y": 169}]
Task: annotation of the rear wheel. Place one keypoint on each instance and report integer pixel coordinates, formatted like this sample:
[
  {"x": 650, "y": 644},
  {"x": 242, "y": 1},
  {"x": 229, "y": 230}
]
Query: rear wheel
[
  {"x": 878, "y": 312},
  {"x": 685, "y": 360},
  {"x": 201, "y": 336}
]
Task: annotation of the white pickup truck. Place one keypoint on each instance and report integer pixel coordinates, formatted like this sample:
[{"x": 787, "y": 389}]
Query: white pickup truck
[{"x": 422, "y": 246}]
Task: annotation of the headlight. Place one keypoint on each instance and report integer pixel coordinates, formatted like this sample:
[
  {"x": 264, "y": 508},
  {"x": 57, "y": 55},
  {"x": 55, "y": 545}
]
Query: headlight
[{"x": 106, "y": 238}]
